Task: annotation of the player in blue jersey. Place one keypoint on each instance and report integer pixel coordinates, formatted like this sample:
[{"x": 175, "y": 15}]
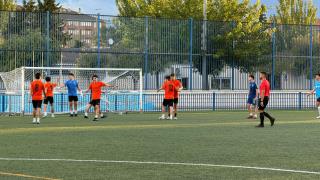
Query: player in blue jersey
[
  {"x": 73, "y": 88},
  {"x": 316, "y": 90},
  {"x": 252, "y": 98}
]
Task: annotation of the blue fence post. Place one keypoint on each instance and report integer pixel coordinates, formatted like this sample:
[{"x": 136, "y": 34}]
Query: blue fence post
[
  {"x": 300, "y": 100},
  {"x": 233, "y": 46},
  {"x": 98, "y": 37},
  {"x": 273, "y": 56},
  {"x": 190, "y": 53},
  {"x": 62, "y": 102},
  {"x": 48, "y": 39},
  {"x": 311, "y": 54},
  {"x": 213, "y": 101},
  {"x": 146, "y": 53}
]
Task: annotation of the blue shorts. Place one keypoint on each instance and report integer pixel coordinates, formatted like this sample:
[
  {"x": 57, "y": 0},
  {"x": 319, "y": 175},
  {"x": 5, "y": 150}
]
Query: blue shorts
[{"x": 251, "y": 101}]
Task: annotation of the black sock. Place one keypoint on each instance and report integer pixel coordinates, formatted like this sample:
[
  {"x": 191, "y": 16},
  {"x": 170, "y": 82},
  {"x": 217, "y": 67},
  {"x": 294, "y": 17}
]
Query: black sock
[
  {"x": 175, "y": 114},
  {"x": 267, "y": 115},
  {"x": 262, "y": 118}
]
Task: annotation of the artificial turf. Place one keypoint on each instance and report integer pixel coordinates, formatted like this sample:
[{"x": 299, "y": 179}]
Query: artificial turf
[{"x": 215, "y": 138}]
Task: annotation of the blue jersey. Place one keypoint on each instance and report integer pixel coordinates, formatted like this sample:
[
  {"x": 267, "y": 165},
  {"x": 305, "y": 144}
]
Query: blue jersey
[
  {"x": 72, "y": 86},
  {"x": 317, "y": 88},
  {"x": 253, "y": 90}
]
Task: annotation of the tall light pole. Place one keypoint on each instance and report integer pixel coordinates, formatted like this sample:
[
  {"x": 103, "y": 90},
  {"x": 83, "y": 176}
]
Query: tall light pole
[{"x": 204, "y": 48}]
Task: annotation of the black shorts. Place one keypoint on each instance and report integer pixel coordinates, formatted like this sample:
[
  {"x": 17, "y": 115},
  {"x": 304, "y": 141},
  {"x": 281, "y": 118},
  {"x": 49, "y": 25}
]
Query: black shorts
[
  {"x": 265, "y": 103},
  {"x": 175, "y": 101},
  {"x": 95, "y": 102},
  {"x": 318, "y": 100},
  {"x": 48, "y": 99},
  {"x": 36, "y": 104},
  {"x": 168, "y": 102},
  {"x": 73, "y": 98}
]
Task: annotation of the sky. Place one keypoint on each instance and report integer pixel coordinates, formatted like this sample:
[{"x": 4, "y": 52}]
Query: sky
[{"x": 108, "y": 7}]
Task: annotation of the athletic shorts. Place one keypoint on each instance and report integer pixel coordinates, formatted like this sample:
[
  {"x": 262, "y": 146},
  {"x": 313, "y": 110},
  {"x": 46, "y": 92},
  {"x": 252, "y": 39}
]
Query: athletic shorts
[
  {"x": 73, "y": 98},
  {"x": 95, "y": 102},
  {"x": 265, "y": 103},
  {"x": 175, "y": 101},
  {"x": 318, "y": 100},
  {"x": 167, "y": 102},
  {"x": 36, "y": 104},
  {"x": 251, "y": 101},
  {"x": 48, "y": 99}
]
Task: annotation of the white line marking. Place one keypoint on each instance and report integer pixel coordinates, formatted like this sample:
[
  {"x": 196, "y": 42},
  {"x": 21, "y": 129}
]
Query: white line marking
[{"x": 166, "y": 163}]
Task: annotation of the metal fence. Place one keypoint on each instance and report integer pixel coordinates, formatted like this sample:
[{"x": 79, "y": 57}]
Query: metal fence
[
  {"x": 152, "y": 101},
  {"x": 201, "y": 53}
]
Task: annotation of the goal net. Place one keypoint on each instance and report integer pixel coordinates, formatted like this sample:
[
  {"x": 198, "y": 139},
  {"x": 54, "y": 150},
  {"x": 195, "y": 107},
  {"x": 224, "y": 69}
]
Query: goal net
[{"x": 125, "y": 96}]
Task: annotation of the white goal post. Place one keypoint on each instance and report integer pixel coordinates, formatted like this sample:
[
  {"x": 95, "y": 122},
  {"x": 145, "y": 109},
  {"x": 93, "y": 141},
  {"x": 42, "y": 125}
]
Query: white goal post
[{"x": 125, "y": 96}]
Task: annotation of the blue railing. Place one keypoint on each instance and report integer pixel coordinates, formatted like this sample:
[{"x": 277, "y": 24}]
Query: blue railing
[{"x": 189, "y": 101}]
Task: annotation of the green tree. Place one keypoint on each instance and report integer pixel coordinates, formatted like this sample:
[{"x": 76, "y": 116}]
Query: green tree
[
  {"x": 48, "y": 5},
  {"x": 29, "y": 6},
  {"x": 296, "y": 12}
]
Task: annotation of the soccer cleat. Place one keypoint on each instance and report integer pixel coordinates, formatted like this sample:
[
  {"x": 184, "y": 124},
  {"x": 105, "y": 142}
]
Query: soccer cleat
[
  {"x": 95, "y": 119},
  {"x": 255, "y": 117},
  {"x": 272, "y": 121},
  {"x": 85, "y": 116},
  {"x": 45, "y": 115},
  {"x": 249, "y": 117},
  {"x": 162, "y": 118},
  {"x": 318, "y": 117},
  {"x": 75, "y": 115},
  {"x": 102, "y": 117},
  {"x": 52, "y": 115},
  {"x": 175, "y": 118},
  {"x": 38, "y": 121},
  {"x": 260, "y": 126},
  {"x": 71, "y": 115}
]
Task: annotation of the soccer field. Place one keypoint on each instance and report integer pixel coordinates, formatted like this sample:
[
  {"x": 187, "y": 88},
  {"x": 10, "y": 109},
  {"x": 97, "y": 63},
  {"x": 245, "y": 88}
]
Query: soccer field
[{"x": 213, "y": 145}]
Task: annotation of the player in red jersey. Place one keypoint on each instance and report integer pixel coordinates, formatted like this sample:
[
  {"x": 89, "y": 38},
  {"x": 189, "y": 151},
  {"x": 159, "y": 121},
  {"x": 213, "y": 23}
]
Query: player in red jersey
[
  {"x": 95, "y": 88},
  {"x": 178, "y": 89},
  {"x": 264, "y": 99},
  {"x": 36, "y": 92},
  {"x": 169, "y": 89},
  {"x": 49, "y": 88}
]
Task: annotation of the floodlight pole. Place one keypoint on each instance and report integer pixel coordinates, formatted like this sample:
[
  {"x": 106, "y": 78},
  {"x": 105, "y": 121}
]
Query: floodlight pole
[{"x": 204, "y": 48}]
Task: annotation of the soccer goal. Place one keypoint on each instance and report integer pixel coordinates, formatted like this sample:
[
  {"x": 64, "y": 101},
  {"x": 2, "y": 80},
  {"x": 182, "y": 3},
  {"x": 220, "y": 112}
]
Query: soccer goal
[{"x": 125, "y": 96}]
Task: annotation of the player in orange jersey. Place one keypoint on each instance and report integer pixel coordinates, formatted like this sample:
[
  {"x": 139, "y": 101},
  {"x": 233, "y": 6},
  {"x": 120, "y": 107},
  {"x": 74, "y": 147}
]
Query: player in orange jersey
[
  {"x": 169, "y": 89},
  {"x": 95, "y": 88},
  {"x": 36, "y": 92},
  {"x": 49, "y": 88},
  {"x": 178, "y": 89}
]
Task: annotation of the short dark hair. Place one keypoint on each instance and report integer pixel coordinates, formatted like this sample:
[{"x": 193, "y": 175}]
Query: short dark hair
[
  {"x": 167, "y": 77},
  {"x": 318, "y": 74},
  {"x": 37, "y": 75},
  {"x": 94, "y": 76},
  {"x": 71, "y": 74},
  {"x": 173, "y": 74},
  {"x": 48, "y": 79},
  {"x": 252, "y": 76},
  {"x": 264, "y": 73}
]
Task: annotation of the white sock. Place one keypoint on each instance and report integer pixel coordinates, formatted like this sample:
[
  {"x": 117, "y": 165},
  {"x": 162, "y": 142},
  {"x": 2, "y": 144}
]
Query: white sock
[
  {"x": 96, "y": 116},
  {"x": 38, "y": 120},
  {"x": 163, "y": 116},
  {"x": 251, "y": 114},
  {"x": 86, "y": 114},
  {"x": 34, "y": 120},
  {"x": 319, "y": 110},
  {"x": 75, "y": 112},
  {"x": 101, "y": 115},
  {"x": 71, "y": 112},
  {"x": 45, "y": 113}
]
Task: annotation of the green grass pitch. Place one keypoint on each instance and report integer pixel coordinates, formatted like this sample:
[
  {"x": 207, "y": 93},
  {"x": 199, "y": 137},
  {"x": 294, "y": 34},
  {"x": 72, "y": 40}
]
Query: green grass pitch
[{"x": 214, "y": 138}]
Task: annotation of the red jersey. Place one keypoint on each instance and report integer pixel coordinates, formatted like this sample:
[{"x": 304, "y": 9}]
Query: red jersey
[
  {"x": 49, "y": 87},
  {"x": 169, "y": 89},
  {"x": 95, "y": 88},
  {"x": 37, "y": 88},
  {"x": 177, "y": 85},
  {"x": 265, "y": 85}
]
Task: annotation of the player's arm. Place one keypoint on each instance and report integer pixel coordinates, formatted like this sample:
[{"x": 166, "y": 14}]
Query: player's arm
[
  {"x": 31, "y": 91},
  {"x": 180, "y": 87},
  {"x": 44, "y": 91},
  {"x": 262, "y": 96},
  {"x": 108, "y": 85},
  {"x": 257, "y": 92}
]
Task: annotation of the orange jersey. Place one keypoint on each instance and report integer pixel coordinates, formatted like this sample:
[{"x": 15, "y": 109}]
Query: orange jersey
[
  {"x": 49, "y": 87},
  {"x": 177, "y": 85},
  {"x": 37, "y": 88},
  {"x": 169, "y": 89},
  {"x": 95, "y": 88}
]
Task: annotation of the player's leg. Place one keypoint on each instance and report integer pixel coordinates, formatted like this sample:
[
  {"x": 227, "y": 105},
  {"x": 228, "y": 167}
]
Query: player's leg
[
  {"x": 52, "y": 107},
  {"x": 97, "y": 111},
  {"x": 261, "y": 111},
  {"x": 45, "y": 104},
  {"x": 171, "y": 109},
  {"x": 75, "y": 106},
  {"x": 34, "y": 112},
  {"x": 71, "y": 105},
  {"x": 318, "y": 106},
  {"x": 86, "y": 111},
  {"x": 272, "y": 119},
  {"x": 39, "y": 103},
  {"x": 175, "y": 108},
  {"x": 164, "y": 104},
  {"x": 249, "y": 106}
]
